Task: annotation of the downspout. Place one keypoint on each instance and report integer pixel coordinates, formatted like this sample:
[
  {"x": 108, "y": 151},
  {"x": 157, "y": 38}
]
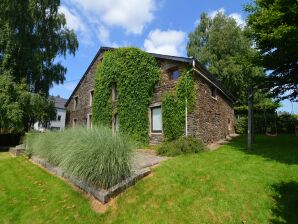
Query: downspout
[{"x": 186, "y": 113}]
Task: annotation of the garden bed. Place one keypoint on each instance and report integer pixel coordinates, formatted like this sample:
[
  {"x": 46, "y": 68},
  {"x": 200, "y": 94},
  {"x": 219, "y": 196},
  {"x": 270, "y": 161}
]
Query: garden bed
[{"x": 103, "y": 195}]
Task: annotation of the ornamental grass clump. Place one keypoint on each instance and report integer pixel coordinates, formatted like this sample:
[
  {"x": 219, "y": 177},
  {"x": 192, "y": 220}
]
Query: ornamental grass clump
[{"x": 95, "y": 155}]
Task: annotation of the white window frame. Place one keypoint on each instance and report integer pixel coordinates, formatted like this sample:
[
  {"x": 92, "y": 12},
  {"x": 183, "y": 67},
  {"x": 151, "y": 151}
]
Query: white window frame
[
  {"x": 75, "y": 102},
  {"x": 151, "y": 119},
  {"x": 91, "y": 95},
  {"x": 89, "y": 121}
]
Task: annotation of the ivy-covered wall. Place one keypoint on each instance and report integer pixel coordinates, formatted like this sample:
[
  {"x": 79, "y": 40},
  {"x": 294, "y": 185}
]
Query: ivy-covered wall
[
  {"x": 134, "y": 73},
  {"x": 174, "y": 104}
]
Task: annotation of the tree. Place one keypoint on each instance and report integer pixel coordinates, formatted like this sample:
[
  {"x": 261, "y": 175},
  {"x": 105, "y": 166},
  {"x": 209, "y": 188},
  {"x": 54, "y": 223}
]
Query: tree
[
  {"x": 274, "y": 25},
  {"x": 32, "y": 34},
  {"x": 19, "y": 108},
  {"x": 226, "y": 50}
]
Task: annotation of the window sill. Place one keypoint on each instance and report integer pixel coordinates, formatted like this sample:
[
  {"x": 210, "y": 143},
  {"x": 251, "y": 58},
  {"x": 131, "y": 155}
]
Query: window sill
[{"x": 156, "y": 133}]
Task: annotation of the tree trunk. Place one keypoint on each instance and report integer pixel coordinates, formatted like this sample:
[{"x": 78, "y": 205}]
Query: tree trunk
[{"x": 250, "y": 119}]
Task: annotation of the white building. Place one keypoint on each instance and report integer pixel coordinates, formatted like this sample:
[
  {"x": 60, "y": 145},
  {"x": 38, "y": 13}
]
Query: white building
[{"x": 59, "y": 122}]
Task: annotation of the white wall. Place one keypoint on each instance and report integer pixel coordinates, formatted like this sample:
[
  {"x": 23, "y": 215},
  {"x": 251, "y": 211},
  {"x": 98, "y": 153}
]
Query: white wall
[
  {"x": 55, "y": 124},
  {"x": 59, "y": 124}
]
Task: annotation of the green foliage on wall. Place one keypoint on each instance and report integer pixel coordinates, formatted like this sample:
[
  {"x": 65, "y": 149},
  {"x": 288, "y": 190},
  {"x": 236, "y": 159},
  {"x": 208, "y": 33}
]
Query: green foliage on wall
[
  {"x": 173, "y": 106},
  {"x": 134, "y": 73}
]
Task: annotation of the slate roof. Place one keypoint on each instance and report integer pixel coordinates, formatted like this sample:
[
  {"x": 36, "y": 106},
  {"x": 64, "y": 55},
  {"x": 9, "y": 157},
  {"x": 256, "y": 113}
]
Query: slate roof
[
  {"x": 190, "y": 60},
  {"x": 59, "y": 102}
]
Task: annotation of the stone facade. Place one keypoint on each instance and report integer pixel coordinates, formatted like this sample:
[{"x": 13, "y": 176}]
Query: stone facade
[
  {"x": 211, "y": 120},
  {"x": 83, "y": 92},
  {"x": 213, "y": 117}
]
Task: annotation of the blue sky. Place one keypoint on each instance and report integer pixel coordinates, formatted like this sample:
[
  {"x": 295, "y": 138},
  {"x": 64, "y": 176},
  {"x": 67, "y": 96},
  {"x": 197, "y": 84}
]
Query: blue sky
[{"x": 159, "y": 26}]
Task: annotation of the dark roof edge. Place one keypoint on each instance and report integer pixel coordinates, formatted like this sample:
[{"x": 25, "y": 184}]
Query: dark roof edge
[
  {"x": 86, "y": 72},
  {"x": 211, "y": 77},
  {"x": 213, "y": 80}
]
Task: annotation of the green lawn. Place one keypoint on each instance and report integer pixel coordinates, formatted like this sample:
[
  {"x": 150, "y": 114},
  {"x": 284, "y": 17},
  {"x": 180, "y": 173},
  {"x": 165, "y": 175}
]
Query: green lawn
[{"x": 225, "y": 186}]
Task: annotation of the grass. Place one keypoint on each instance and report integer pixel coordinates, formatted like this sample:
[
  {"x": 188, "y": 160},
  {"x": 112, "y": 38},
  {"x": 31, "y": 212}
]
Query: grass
[
  {"x": 229, "y": 185},
  {"x": 29, "y": 195},
  {"x": 94, "y": 155}
]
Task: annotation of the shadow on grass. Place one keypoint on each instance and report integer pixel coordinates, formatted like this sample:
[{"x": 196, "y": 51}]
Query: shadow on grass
[
  {"x": 286, "y": 198},
  {"x": 282, "y": 148}
]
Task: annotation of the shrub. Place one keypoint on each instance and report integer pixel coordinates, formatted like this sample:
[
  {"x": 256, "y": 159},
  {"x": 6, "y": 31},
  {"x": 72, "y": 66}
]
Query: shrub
[
  {"x": 180, "y": 146},
  {"x": 93, "y": 155},
  {"x": 241, "y": 125},
  {"x": 284, "y": 122}
]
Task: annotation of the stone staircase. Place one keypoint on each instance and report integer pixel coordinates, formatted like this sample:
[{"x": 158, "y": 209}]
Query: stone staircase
[{"x": 17, "y": 150}]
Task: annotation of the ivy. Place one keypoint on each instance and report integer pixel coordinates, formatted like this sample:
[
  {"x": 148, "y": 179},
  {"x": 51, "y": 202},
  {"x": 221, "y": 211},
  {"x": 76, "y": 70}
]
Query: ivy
[
  {"x": 173, "y": 106},
  {"x": 134, "y": 73}
]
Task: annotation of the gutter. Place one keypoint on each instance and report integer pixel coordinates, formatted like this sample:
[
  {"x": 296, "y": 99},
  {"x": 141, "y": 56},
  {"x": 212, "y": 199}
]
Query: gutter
[{"x": 210, "y": 81}]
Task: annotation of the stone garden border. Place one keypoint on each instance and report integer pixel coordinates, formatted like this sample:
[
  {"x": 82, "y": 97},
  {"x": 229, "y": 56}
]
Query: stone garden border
[{"x": 103, "y": 195}]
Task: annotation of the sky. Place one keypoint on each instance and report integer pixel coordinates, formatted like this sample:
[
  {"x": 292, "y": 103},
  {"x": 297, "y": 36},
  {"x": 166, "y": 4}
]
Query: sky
[{"x": 158, "y": 26}]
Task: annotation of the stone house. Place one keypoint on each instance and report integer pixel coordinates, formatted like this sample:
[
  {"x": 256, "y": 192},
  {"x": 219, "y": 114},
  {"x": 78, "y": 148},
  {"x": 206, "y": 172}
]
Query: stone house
[{"x": 211, "y": 120}]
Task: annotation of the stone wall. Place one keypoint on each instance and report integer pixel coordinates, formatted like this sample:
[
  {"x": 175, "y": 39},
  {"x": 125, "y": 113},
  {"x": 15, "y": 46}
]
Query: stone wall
[
  {"x": 83, "y": 93},
  {"x": 209, "y": 120},
  {"x": 164, "y": 85},
  {"x": 212, "y": 118}
]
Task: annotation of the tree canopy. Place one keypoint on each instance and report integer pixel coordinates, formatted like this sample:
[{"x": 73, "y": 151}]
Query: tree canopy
[
  {"x": 32, "y": 34},
  {"x": 20, "y": 108},
  {"x": 274, "y": 27},
  {"x": 226, "y": 50}
]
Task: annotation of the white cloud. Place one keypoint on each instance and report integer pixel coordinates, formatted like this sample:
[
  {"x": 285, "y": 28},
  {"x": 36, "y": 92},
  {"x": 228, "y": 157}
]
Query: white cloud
[
  {"x": 196, "y": 23},
  {"x": 131, "y": 15},
  {"x": 238, "y": 18},
  {"x": 104, "y": 37},
  {"x": 74, "y": 21},
  {"x": 171, "y": 42},
  {"x": 215, "y": 12}
]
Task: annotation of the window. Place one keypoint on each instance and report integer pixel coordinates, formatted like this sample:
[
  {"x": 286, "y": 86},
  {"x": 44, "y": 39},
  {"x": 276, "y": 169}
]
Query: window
[
  {"x": 114, "y": 92},
  {"x": 115, "y": 123},
  {"x": 59, "y": 118},
  {"x": 74, "y": 122},
  {"x": 76, "y": 101},
  {"x": 229, "y": 124},
  {"x": 89, "y": 121},
  {"x": 214, "y": 92},
  {"x": 91, "y": 97},
  {"x": 156, "y": 120},
  {"x": 174, "y": 75}
]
